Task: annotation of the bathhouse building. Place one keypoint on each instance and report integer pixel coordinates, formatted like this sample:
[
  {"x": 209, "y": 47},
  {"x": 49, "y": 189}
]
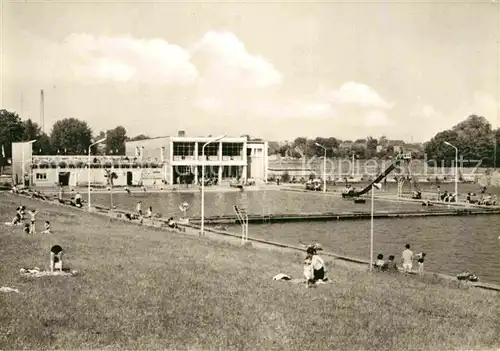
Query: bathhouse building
[
  {"x": 164, "y": 160},
  {"x": 183, "y": 157}
]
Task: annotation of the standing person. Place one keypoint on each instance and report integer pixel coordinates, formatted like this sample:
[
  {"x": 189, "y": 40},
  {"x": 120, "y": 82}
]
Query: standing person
[
  {"x": 149, "y": 213},
  {"x": 407, "y": 259},
  {"x": 138, "y": 208},
  {"x": 420, "y": 260},
  {"x": 32, "y": 214}
]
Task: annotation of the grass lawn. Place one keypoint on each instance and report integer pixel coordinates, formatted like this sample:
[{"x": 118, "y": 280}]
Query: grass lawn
[{"x": 141, "y": 288}]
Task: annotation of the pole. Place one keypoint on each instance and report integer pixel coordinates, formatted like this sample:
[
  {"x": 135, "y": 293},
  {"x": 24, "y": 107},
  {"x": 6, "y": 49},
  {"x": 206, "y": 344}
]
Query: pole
[
  {"x": 324, "y": 173},
  {"x": 22, "y": 165},
  {"x": 202, "y": 226},
  {"x": 456, "y": 174},
  {"x": 371, "y": 231},
  {"x": 88, "y": 177},
  {"x": 202, "y": 231}
]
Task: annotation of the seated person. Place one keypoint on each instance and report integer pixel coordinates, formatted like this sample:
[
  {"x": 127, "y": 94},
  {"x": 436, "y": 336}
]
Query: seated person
[
  {"x": 56, "y": 254},
  {"x": 46, "y": 228},
  {"x": 14, "y": 190},
  {"x": 417, "y": 195},
  {"x": 149, "y": 213},
  {"x": 27, "y": 228},
  {"x": 318, "y": 265},
  {"x": 127, "y": 190},
  {"x": 172, "y": 223},
  {"x": 379, "y": 263},
  {"x": 390, "y": 265},
  {"x": 16, "y": 220},
  {"x": 78, "y": 200}
]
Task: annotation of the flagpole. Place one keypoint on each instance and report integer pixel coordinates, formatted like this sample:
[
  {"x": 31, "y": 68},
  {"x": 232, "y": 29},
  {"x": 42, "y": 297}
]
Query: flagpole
[{"x": 371, "y": 230}]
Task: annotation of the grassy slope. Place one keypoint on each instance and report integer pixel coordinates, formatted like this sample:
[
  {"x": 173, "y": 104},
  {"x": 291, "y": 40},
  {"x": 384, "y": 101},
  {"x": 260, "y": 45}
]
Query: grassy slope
[{"x": 142, "y": 288}]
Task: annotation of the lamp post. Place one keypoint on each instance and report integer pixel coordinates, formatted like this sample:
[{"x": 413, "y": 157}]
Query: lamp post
[
  {"x": 88, "y": 168},
  {"x": 374, "y": 186},
  {"x": 324, "y": 166},
  {"x": 456, "y": 169},
  {"x": 202, "y": 229},
  {"x": 23, "y": 165}
]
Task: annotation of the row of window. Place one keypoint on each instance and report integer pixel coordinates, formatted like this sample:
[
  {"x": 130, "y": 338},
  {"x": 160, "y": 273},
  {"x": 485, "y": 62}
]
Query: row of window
[
  {"x": 187, "y": 149},
  {"x": 95, "y": 165}
]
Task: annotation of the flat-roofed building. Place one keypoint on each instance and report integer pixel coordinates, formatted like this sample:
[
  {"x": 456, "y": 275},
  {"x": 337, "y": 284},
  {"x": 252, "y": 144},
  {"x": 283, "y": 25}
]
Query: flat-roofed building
[{"x": 183, "y": 156}]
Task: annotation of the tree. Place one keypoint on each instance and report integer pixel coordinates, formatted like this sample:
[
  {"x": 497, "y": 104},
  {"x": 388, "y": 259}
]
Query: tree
[
  {"x": 371, "y": 147},
  {"x": 11, "y": 130},
  {"x": 473, "y": 137},
  {"x": 115, "y": 140},
  {"x": 273, "y": 148},
  {"x": 32, "y": 131},
  {"x": 71, "y": 136}
]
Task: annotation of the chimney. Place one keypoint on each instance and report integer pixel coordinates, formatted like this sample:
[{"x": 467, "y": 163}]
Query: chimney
[{"x": 181, "y": 133}]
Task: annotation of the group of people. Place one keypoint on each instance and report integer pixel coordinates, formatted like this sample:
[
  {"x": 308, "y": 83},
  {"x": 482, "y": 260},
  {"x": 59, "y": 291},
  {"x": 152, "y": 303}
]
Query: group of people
[
  {"x": 30, "y": 226},
  {"x": 407, "y": 258},
  {"x": 139, "y": 215}
]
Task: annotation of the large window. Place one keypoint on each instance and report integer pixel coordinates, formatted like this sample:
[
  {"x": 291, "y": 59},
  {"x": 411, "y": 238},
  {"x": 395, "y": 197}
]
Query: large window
[
  {"x": 211, "y": 149},
  {"x": 232, "y": 149},
  {"x": 183, "y": 149}
]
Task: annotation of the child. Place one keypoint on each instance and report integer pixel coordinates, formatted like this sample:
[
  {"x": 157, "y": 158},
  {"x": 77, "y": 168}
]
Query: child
[
  {"x": 308, "y": 268},
  {"x": 420, "y": 259},
  {"x": 149, "y": 213},
  {"x": 56, "y": 254},
  {"x": 32, "y": 214},
  {"x": 380, "y": 261},
  {"x": 27, "y": 228},
  {"x": 318, "y": 265},
  {"x": 138, "y": 208}
]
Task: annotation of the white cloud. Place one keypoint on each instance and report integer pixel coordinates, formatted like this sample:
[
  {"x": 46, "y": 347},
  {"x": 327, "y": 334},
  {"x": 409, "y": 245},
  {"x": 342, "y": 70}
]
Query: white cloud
[
  {"x": 86, "y": 58},
  {"x": 229, "y": 63},
  {"x": 152, "y": 61},
  {"x": 352, "y": 93}
]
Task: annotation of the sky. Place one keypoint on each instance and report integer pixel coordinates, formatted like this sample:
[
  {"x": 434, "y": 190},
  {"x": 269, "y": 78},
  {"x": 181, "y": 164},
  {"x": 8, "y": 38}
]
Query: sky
[{"x": 274, "y": 70}]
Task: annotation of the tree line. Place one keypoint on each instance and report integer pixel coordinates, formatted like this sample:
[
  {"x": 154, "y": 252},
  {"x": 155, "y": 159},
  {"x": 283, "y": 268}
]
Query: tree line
[
  {"x": 361, "y": 148},
  {"x": 68, "y": 136}
]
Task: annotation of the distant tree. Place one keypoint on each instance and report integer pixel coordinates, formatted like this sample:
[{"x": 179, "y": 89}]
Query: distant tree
[
  {"x": 71, "y": 136},
  {"x": 273, "y": 148},
  {"x": 115, "y": 140},
  {"x": 371, "y": 147},
  {"x": 32, "y": 131},
  {"x": 11, "y": 130}
]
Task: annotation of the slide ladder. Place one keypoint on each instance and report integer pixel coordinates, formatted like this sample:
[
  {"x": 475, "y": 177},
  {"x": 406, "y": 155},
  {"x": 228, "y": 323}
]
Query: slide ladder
[{"x": 242, "y": 215}]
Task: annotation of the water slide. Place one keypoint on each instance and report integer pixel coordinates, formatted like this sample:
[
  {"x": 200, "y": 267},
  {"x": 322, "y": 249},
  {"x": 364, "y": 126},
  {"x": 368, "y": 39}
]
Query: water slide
[{"x": 389, "y": 169}]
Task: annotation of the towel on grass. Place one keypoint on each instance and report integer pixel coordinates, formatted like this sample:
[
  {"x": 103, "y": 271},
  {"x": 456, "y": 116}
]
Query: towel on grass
[
  {"x": 36, "y": 273},
  {"x": 7, "y": 289}
]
